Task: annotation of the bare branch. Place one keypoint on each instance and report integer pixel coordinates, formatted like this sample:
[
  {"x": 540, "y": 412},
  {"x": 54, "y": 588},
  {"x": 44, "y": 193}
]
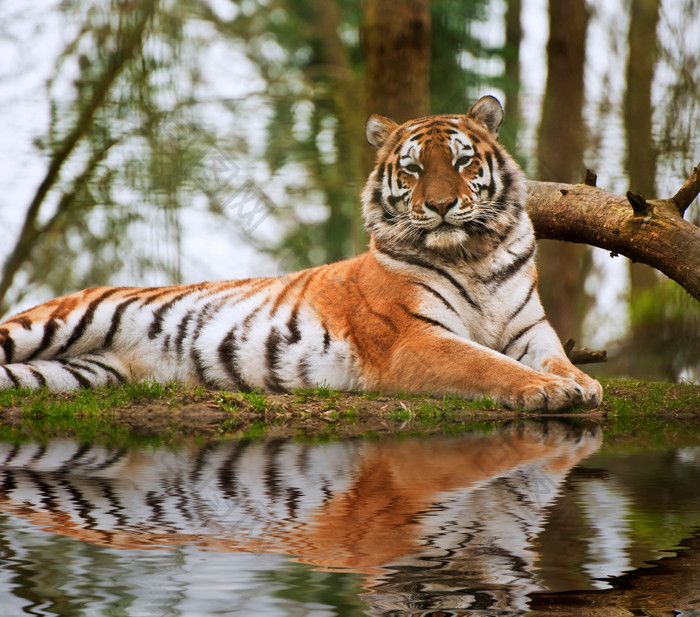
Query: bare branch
[
  {"x": 583, "y": 355},
  {"x": 688, "y": 192}
]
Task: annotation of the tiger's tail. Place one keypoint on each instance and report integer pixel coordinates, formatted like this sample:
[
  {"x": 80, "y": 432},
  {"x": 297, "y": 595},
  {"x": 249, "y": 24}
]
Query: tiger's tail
[
  {"x": 63, "y": 344},
  {"x": 63, "y": 374}
]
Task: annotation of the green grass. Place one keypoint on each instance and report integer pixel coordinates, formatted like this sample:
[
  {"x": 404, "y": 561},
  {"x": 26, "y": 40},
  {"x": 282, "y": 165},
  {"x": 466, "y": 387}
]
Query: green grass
[
  {"x": 636, "y": 397},
  {"x": 454, "y": 402},
  {"x": 332, "y": 398},
  {"x": 86, "y": 402},
  {"x": 629, "y": 407},
  {"x": 258, "y": 402}
]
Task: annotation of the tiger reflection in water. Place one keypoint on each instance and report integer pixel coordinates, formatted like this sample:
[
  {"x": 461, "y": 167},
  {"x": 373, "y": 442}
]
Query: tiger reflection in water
[{"x": 439, "y": 523}]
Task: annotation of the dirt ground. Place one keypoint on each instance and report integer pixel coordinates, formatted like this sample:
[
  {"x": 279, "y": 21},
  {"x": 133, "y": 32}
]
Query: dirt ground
[{"x": 335, "y": 415}]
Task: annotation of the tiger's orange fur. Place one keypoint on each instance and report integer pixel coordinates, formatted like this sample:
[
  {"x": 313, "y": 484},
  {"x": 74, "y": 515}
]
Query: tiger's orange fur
[{"x": 444, "y": 301}]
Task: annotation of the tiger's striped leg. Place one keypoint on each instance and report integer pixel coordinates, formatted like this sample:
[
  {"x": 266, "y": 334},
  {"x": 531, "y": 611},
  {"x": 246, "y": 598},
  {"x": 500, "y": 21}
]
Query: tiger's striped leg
[
  {"x": 59, "y": 375},
  {"x": 445, "y": 365}
]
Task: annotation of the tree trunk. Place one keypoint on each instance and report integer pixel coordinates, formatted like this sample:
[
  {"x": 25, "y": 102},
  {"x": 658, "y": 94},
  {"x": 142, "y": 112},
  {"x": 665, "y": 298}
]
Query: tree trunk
[
  {"x": 641, "y": 154},
  {"x": 563, "y": 267},
  {"x": 397, "y": 57},
  {"x": 346, "y": 99},
  {"x": 508, "y": 133}
]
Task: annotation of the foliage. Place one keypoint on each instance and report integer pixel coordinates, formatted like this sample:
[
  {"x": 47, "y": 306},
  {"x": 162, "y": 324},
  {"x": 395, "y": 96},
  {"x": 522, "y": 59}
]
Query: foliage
[{"x": 137, "y": 134}]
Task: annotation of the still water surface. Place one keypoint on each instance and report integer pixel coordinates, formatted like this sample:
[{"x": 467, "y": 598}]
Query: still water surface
[{"x": 525, "y": 519}]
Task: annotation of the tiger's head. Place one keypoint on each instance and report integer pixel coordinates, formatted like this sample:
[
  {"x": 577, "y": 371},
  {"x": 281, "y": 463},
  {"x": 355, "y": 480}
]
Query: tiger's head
[{"x": 443, "y": 183}]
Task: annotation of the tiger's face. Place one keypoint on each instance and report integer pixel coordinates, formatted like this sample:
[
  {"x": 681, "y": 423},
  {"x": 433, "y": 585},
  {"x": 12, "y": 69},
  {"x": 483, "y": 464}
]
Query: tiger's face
[{"x": 443, "y": 182}]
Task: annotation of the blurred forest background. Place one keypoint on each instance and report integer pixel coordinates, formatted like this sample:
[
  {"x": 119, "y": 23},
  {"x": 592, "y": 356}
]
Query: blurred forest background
[{"x": 153, "y": 141}]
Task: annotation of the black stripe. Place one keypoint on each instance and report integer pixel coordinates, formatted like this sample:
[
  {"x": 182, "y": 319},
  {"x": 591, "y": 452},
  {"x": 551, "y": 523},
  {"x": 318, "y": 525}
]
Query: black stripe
[
  {"x": 377, "y": 196},
  {"x": 272, "y": 359},
  {"x": 11, "y": 375},
  {"x": 116, "y": 321},
  {"x": 303, "y": 369},
  {"x": 196, "y": 357},
  {"x": 84, "y": 507},
  {"x": 523, "y": 304},
  {"x": 81, "y": 379},
  {"x": 40, "y": 379},
  {"x": 82, "y": 450},
  {"x": 427, "y": 320},
  {"x": 522, "y": 355},
  {"x": 414, "y": 261},
  {"x": 107, "y": 368},
  {"x": 13, "y": 453},
  {"x": 506, "y": 177},
  {"x": 492, "y": 182},
  {"x": 326, "y": 340},
  {"x": 388, "y": 321},
  {"x": 9, "y": 483},
  {"x": 271, "y": 474},
  {"x": 159, "y": 314},
  {"x": 85, "y": 321},
  {"x": 116, "y": 509},
  {"x": 380, "y": 173},
  {"x": 293, "y": 326},
  {"x": 393, "y": 200},
  {"x": 50, "y": 329},
  {"x": 8, "y": 345},
  {"x": 248, "y": 321},
  {"x": 117, "y": 456},
  {"x": 182, "y": 331},
  {"x": 440, "y": 297},
  {"x": 228, "y": 356},
  {"x": 501, "y": 276},
  {"x": 199, "y": 366},
  {"x": 293, "y": 495},
  {"x": 80, "y": 366},
  {"x": 228, "y": 476},
  {"x": 520, "y": 334}
]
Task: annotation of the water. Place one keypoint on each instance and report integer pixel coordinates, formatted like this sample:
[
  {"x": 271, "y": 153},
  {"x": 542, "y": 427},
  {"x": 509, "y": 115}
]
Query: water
[{"x": 523, "y": 519}]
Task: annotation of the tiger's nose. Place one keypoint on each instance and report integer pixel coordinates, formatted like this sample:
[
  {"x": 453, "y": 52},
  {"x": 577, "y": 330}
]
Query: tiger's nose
[{"x": 442, "y": 207}]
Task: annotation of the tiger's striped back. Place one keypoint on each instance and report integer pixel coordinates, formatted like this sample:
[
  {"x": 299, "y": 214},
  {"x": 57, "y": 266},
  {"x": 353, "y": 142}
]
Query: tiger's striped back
[{"x": 445, "y": 300}]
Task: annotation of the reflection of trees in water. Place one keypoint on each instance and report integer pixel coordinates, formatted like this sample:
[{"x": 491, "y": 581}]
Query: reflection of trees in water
[{"x": 143, "y": 126}]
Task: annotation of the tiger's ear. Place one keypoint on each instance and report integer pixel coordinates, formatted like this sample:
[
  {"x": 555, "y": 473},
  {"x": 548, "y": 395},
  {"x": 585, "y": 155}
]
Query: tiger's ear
[
  {"x": 378, "y": 129},
  {"x": 488, "y": 111}
]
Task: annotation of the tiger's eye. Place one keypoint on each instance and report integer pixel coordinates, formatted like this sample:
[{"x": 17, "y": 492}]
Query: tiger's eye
[
  {"x": 413, "y": 168},
  {"x": 463, "y": 161}
]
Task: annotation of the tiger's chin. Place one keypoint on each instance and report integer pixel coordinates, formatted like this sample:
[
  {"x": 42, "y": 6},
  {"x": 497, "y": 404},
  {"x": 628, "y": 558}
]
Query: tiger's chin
[{"x": 446, "y": 239}]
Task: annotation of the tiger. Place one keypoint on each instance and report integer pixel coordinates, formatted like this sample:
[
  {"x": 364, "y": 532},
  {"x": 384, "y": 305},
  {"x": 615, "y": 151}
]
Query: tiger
[{"x": 443, "y": 301}]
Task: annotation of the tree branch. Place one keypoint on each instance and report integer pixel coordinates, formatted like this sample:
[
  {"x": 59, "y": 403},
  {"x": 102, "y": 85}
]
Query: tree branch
[
  {"x": 583, "y": 355},
  {"x": 648, "y": 231},
  {"x": 132, "y": 41},
  {"x": 688, "y": 192}
]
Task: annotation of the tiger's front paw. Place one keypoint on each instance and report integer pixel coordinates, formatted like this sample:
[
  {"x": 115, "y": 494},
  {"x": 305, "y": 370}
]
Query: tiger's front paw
[
  {"x": 592, "y": 390},
  {"x": 549, "y": 393}
]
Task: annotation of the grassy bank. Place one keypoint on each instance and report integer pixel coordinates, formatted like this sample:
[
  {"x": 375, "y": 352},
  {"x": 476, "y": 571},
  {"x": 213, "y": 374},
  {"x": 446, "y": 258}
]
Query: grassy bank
[{"x": 153, "y": 412}]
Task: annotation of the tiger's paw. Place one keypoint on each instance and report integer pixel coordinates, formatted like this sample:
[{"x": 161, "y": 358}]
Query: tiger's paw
[
  {"x": 592, "y": 390},
  {"x": 549, "y": 393}
]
